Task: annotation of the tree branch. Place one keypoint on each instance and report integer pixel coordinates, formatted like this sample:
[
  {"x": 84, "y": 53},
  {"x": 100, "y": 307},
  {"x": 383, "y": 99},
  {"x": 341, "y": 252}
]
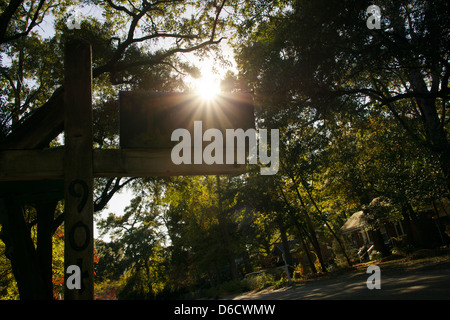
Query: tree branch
[
  {"x": 29, "y": 133},
  {"x": 216, "y": 20},
  {"x": 120, "y": 8},
  {"x": 101, "y": 202},
  {"x": 157, "y": 59},
  {"x": 6, "y": 17},
  {"x": 16, "y": 36}
]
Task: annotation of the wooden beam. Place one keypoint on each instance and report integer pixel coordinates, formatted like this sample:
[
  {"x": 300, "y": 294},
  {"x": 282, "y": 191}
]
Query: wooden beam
[
  {"x": 155, "y": 163},
  {"x": 40, "y": 128},
  {"x": 17, "y": 165}
]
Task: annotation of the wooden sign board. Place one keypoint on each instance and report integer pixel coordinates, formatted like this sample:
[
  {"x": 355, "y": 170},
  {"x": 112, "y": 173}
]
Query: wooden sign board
[
  {"x": 143, "y": 116},
  {"x": 147, "y": 120}
]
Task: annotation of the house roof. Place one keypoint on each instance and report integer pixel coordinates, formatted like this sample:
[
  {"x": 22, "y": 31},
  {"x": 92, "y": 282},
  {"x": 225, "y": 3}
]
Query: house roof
[{"x": 355, "y": 222}]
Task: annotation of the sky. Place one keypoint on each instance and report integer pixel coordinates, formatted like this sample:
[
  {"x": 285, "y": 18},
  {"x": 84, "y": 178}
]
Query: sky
[{"x": 116, "y": 205}]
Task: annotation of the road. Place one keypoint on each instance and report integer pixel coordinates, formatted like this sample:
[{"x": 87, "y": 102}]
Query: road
[{"x": 431, "y": 281}]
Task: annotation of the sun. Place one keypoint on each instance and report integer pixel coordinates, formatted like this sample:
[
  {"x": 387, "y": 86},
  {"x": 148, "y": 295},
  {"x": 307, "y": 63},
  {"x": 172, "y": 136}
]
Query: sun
[{"x": 208, "y": 87}]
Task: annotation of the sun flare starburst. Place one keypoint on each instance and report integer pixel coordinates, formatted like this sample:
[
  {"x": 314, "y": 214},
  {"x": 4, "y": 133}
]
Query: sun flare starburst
[{"x": 207, "y": 87}]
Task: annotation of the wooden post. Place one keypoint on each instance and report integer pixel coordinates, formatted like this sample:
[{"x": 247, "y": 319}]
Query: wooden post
[{"x": 78, "y": 172}]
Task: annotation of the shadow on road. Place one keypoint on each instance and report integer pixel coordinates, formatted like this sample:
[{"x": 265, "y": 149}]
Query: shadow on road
[{"x": 431, "y": 281}]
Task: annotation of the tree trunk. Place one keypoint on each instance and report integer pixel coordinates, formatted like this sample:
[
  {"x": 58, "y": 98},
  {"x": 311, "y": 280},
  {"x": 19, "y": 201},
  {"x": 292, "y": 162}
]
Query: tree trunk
[
  {"x": 45, "y": 214},
  {"x": 434, "y": 128},
  {"x": 299, "y": 227},
  {"x": 305, "y": 246},
  {"x": 327, "y": 224},
  {"x": 285, "y": 243},
  {"x": 416, "y": 227},
  {"x": 226, "y": 237},
  {"x": 410, "y": 239},
  {"x": 317, "y": 249},
  {"x": 312, "y": 232},
  {"x": 24, "y": 260}
]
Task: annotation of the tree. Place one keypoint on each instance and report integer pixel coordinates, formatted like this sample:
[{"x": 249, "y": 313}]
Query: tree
[
  {"x": 343, "y": 92},
  {"x": 138, "y": 240},
  {"x": 203, "y": 233},
  {"x": 32, "y": 98},
  {"x": 331, "y": 58}
]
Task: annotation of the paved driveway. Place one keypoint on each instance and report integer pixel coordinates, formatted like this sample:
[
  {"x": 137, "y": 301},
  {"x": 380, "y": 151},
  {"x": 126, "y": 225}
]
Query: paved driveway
[{"x": 425, "y": 282}]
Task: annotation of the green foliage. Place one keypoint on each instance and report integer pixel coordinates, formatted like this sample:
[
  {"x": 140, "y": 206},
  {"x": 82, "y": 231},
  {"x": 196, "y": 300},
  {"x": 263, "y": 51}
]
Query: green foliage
[
  {"x": 135, "y": 45},
  {"x": 361, "y": 113},
  {"x": 375, "y": 255},
  {"x": 350, "y": 133},
  {"x": 8, "y": 286},
  {"x": 260, "y": 281},
  {"x": 274, "y": 278},
  {"x": 226, "y": 289}
]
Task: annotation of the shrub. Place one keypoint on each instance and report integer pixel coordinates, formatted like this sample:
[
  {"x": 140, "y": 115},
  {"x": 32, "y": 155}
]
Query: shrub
[
  {"x": 280, "y": 283},
  {"x": 402, "y": 250},
  {"x": 260, "y": 281},
  {"x": 226, "y": 288},
  {"x": 233, "y": 286},
  {"x": 375, "y": 255}
]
